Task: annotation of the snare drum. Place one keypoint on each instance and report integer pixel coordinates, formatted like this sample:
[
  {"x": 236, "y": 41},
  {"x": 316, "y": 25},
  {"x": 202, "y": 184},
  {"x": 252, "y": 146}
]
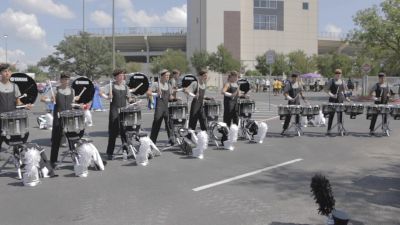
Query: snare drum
[
  {"x": 283, "y": 110},
  {"x": 130, "y": 116},
  {"x": 14, "y": 123},
  {"x": 354, "y": 109},
  {"x": 246, "y": 107},
  {"x": 372, "y": 110},
  {"x": 212, "y": 108},
  {"x": 328, "y": 108},
  {"x": 72, "y": 120},
  {"x": 396, "y": 112},
  {"x": 177, "y": 110}
]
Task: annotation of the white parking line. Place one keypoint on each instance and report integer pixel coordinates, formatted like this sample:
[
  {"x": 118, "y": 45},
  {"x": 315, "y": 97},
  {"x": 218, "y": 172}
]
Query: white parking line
[{"x": 244, "y": 175}]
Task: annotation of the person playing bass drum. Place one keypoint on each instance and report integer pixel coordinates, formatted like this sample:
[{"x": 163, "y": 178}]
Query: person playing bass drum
[
  {"x": 292, "y": 92},
  {"x": 380, "y": 93},
  {"x": 336, "y": 90},
  {"x": 118, "y": 93},
  {"x": 197, "y": 89},
  {"x": 64, "y": 96},
  {"x": 231, "y": 94}
]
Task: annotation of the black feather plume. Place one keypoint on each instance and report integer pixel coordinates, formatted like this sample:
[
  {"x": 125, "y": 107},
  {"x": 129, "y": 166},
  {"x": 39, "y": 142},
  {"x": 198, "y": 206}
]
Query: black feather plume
[{"x": 322, "y": 192}]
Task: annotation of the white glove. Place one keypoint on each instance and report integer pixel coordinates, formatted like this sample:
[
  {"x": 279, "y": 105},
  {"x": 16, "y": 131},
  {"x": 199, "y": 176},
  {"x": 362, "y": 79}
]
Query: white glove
[
  {"x": 155, "y": 94},
  {"x": 191, "y": 94},
  {"x": 289, "y": 98},
  {"x": 375, "y": 98},
  {"x": 227, "y": 94},
  {"x": 332, "y": 95}
]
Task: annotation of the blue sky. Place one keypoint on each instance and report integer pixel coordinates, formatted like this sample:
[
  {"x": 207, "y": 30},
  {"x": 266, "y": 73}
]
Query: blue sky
[{"x": 35, "y": 26}]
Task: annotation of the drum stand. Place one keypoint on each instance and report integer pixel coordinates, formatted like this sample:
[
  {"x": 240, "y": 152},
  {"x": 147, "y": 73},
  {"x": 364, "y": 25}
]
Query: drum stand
[
  {"x": 296, "y": 126},
  {"x": 16, "y": 158},
  {"x": 340, "y": 125},
  {"x": 384, "y": 125},
  {"x": 73, "y": 141},
  {"x": 132, "y": 137},
  {"x": 210, "y": 132},
  {"x": 244, "y": 131},
  {"x": 178, "y": 137}
]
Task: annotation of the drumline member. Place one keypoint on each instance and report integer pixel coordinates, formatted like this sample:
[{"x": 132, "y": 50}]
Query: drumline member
[
  {"x": 293, "y": 90},
  {"x": 380, "y": 93},
  {"x": 336, "y": 90},
  {"x": 163, "y": 92},
  {"x": 9, "y": 93},
  {"x": 118, "y": 93},
  {"x": 63, "y": 97},
  {"x": 198, "y": 89},
  {"x": 231, "y": 94}
]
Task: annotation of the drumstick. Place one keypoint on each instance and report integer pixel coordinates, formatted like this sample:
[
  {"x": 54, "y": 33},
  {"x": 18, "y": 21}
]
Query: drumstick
[
  {"x": 23, "y": 96},
  {"x": 83, "y": 90},
  {"x": 134, "y": 89},
  {"x": 110, "y": 94},
  {"x": 159, "y": 87},
  {"x": 52, "y": 93}
]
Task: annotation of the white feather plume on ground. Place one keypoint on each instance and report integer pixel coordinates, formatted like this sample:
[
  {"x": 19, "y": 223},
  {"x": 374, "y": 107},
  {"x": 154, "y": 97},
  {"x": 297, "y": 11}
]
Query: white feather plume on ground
[
  {"x": 147, "y": 147},
  {"x": 232, "y": 137},
  {"x": 262, "y": 131},
  {"x": 31, "y": 174},
  {"x": 202, "y": 144},
  {"x": 88, "y": 155}
]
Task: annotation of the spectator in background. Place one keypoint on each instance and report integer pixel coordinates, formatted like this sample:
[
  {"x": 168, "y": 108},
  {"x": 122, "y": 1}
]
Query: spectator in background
[{"x": 267, "y": 84}]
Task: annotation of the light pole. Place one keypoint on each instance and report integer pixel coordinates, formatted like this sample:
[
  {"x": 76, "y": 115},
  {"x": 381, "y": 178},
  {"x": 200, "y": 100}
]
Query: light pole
[
  {"x": 113, "y": 35},
  {"x": 5, "y": 38},
  {"x": 83, "y": 16}
]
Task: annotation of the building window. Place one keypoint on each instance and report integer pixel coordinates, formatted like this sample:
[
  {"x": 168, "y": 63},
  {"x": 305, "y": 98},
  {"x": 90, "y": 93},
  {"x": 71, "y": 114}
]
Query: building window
[
  {"x": 266, "y": 4},
  {"x": 305, "y": 5},
  {"x": 265, "y": 22}
]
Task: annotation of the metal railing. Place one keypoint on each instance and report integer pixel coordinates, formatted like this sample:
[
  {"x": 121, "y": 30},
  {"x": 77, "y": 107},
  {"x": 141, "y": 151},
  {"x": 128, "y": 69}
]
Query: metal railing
[{"x": 134, "y": 31}]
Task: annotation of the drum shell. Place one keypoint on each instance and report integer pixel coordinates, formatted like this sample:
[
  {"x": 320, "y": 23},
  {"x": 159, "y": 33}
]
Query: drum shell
[
  {"x": 212, "y": 109},
  {"x": 295, "y": 109},
  {"x": 283, "y": 110},
  {"x": 14, "y": 123},
  {"x": 385, "y": 109},
  {"x": 396, "y": 112},
  {"x": 73, "y": 121},
  {"x": 328, "y": 108},
  {"x": 354, "y": 109},
  {"x": 309, "y": 110},
  {"x": 246, "y": 107},
  {"x": 130, "y": 116},
  {"x": 177, "y": 111},
  {"x": 339, "y": 107}
]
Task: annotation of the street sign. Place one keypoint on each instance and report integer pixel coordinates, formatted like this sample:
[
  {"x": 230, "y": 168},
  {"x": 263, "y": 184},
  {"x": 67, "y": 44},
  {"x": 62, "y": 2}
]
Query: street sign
[
  {"x": 366, "y": 68},
  {"x": 270, "y": 57}
]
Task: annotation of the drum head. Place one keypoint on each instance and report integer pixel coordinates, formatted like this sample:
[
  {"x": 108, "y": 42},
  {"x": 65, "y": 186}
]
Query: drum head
[
  {"x": 244, "y": 85},
  {"x": 187, "y": 80},
  {"x": 83, "y": 82},
  {"x": 139, "y": 79},
  {"x": 27, "y": 86}
]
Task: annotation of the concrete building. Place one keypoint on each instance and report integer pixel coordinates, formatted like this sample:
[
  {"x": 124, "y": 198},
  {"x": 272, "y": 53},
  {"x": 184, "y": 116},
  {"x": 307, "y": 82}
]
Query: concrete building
[{"x": 249, "y": 28}]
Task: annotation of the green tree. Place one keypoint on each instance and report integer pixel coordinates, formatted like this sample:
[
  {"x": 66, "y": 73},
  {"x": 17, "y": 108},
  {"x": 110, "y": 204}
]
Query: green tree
[
  {"x": 222, "y": 61},
  {"x": 280, "y": 65},
  {"x": 200, "y": 60},
  {"x": 40, "y": 76},
  {"x": 252, "y": 73},
  {"x": 171, "y": 59},
  {"x": 83, "y": 55},
  {"x": 378, "y": 34},
  {"x": 262, "y": 67},
  {"x": 300, "y": 62},
  {"x": 132, "y": 67}
]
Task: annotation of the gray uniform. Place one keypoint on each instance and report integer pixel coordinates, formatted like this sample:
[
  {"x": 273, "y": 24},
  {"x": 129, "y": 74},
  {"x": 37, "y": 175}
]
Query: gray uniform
[{"x": 8, "y": 99}]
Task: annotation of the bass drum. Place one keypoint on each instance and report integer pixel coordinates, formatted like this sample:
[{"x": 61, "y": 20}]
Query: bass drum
[
  {"x": 140, "y": 82},
  {"x": 244, "y": 85},
  {"x": 79, "y": 84},
  {"x": 187, "y": 80},
  {"x": 27, "y": 86}
]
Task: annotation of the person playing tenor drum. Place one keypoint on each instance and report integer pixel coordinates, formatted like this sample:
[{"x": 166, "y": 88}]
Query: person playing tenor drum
[
  {"x": 292, "y": 92},
  {"x": 231, "y": 94},
  {"x": 336, "y": 90},
  {"x": 380, "y": 93}
]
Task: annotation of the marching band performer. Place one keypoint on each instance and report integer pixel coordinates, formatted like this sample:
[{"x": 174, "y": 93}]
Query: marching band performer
[
  {"x": 380, "y": 93},
  {"x": 163, "y": 92},
  {"x": 63, "y": 97},
  {"x": 197, "y": 89},
  {"x": 293, "y": 91},
  {"x": 336, "y": 90},
  {"x": 118, "y": 93},
  {"x": 9, "y": 93},
  {"x": 231, "y": 93}
]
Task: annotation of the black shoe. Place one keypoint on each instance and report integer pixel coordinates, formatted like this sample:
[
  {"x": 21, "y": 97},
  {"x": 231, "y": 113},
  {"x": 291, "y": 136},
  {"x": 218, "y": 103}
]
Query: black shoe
[
  {"x": 53, "y": 175},
  {"x": 54, "y": 166},
  {"x": 283, "y": 132},
  {"x": 110, "y": 157},
  {"x": 328, "y": 133},
  {"x": 371, "y": 133}
]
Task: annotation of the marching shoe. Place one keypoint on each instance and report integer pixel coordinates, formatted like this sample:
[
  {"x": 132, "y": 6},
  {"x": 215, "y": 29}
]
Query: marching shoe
[
  {"x": 283, "y": 132},
  {"x": 371, "y": 133},
  {"x": 110, "y": 157}
]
